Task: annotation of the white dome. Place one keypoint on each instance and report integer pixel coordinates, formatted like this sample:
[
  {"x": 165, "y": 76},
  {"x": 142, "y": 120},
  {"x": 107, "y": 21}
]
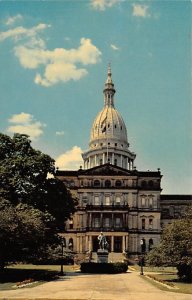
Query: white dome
[{"x": 108, "y": 125}]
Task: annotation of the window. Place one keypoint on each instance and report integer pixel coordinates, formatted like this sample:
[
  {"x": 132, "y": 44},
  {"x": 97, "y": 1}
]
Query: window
[
  {"x": 71, "y": 224},
  {"x": 150, "y": 244},
  {"x": 143, "y": 201},
  {"x": 96, "y": 200},
  {"x": 151, "y": 183},
  {"x": 118, "y": 200},
  {"x": 115, "y": 126},
  {"x": 71, "y": 244},
  {"x": 96, "y": 183},
  {"x": 108, "y": 125},
  {"x": 143, "y": 223},
  {"x": 115, "y": 162},
  {"x": 118, "y": 183},
  {"x": 96, "y": 222},
  {"x": 150, "y": 223},
  {"x": 150, "y": 202},
  {"x": 143, "y": 183},
  {"x": 107, "y": 200},
  {"x": 117, "y": 222},
  {"x": 107, "y": 183},
  {"x": 115, "y": 144},
  {"x": 106, "y": 222},
  {"x": 101, "y": 162}
]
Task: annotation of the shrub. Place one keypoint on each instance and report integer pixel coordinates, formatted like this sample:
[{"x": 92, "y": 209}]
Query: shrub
[
  {"x": 185, "y": 272},
  {"x": 104, "y": 268}
]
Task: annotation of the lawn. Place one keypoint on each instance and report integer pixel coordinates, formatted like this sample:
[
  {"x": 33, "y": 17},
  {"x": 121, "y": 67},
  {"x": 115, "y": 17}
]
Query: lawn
[
  {"x": 31, "y": 275},
  {"x": 167, "y": 275}
]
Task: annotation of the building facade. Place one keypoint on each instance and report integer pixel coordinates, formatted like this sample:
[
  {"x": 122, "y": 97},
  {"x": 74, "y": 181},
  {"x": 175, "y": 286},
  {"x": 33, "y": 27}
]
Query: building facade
[{"x": 113, "y": 196}]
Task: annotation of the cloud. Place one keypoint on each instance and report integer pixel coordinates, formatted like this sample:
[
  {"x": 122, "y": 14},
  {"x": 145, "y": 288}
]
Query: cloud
[
  {"x": 70, "y": 160},
  {"x": 21, "y": 32},
  {"x": 12, "y": 20},
  {"x": 140, "y": 11},
  {"x": 60, "y": 64},
  {"x": 114, "y": 47},
  {"x": 59, "y": 133},
  {"x": 26, "y": 124},
  {"x": 103, "y": 4}
]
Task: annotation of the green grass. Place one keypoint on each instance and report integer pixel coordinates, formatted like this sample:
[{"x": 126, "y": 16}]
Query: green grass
[
  {"x": 167, "y": 275},
  {"x": 15, "y": 274}
]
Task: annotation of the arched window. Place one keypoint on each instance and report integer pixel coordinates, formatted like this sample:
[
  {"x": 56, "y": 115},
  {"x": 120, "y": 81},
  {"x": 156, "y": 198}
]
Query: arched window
[
  {"x": 70, "y": 244},
  {"x": 96, "y": 183},
  {"x": 107, "y": 183},
  {"x": 150, "y": 244},
  {"x": 118, "y": 183}
]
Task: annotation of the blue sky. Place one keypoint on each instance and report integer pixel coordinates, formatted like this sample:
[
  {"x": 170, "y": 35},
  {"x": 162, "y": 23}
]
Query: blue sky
[{"x": 54, "y": 57}]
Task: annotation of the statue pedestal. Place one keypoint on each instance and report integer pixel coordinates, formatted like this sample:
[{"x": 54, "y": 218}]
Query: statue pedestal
[{"x": 102, "y": 256}]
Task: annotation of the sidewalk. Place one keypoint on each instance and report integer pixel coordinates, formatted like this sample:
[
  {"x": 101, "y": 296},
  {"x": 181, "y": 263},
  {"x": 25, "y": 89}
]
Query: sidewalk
[{"x": 79, "y": 286}]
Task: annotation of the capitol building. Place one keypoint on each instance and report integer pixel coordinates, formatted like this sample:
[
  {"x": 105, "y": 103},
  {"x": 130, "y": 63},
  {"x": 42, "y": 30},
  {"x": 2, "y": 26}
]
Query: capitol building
[{"x": 113, "y": 196}]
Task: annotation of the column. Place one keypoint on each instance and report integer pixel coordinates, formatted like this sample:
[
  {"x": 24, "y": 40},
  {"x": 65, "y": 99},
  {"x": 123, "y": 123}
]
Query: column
[
  {"x": 121, "y": 161},
  {"x": 123, "y": 243},
  {"x": 81, "y": 244},
  {"x": 112, "y": 243},
  {"x": 112, "y": 221},
  {"x": 86, "y": 243},
  {"x": 129, "y": 164},
  {"x": 103, "y": 158},
  {"x": 126, "y": 243},
  {"x": 90, "y": 219},
  {"x": 78, "y": 248},
  {"x": 112, "y": 159},
  {"x": 95, "y": 160},
  {"x": 101, "y": 220}
]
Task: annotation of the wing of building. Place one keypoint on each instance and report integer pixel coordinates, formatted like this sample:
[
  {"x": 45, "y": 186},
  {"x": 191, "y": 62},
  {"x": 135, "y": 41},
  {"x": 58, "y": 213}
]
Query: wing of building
[{"x": 115, "y": 198}]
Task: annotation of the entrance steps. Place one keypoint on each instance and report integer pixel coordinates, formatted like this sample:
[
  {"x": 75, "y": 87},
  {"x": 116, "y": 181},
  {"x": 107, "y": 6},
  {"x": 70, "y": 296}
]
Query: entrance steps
[{"x": 113, "y": 257}]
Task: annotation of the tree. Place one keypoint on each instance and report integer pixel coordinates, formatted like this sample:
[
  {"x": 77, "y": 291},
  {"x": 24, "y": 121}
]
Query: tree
[
  {"x": 22, "y": 232},
  {"x": 23, "y": 179},
  {"x": 175, "y": 248}
]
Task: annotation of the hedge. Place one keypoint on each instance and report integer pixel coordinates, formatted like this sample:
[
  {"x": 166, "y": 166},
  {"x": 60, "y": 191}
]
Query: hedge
[{"x": 104, "y": 268}]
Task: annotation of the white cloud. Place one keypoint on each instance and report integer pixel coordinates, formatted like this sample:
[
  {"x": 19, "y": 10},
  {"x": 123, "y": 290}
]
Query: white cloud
[
  {"x": 21, "y": 32},
  {"x": 59, "y": 133},
  {"x": 114, "y": 47},
  {"x": 70, "y": 160},
  {"x": 103, "y": 4},
  {"x": 21, "y": 118},
  {"x": 12, "y": 20},
  {"x": 140, "y": 11},
  {"x": 60, "y": 63},
  {"x": 26, "y": 124}
]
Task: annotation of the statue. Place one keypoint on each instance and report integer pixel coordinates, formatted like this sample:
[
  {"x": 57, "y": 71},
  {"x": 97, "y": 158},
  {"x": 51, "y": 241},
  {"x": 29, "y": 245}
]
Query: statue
[{"x": 102, "y": 242}]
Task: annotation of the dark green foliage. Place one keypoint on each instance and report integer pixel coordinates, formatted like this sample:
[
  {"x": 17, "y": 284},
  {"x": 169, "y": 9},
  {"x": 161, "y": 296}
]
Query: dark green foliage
[
  {"x": 175, "y": 248},
  {"x": 23, "y": 179},
  {"x": 104, "y": 268},
  {"x": 33, "y": 207}
]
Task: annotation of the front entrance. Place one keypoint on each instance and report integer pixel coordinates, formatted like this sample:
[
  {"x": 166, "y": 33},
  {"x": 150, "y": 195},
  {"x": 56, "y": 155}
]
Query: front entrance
[{"x": 118, "y": 244}]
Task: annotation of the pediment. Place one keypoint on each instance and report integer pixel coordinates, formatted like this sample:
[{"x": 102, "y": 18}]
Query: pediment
[{"x": 107, "y": 169}]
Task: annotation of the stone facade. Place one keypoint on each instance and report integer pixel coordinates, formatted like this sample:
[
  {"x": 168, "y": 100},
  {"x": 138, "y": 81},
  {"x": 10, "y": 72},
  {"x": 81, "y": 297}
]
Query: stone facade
[{"x": 113, "y": 196}]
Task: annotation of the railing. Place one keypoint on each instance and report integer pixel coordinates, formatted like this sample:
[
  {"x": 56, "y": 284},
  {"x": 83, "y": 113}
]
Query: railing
[
  {"x": 107, "y": 207},
  {"x": 107, "y": 229}
]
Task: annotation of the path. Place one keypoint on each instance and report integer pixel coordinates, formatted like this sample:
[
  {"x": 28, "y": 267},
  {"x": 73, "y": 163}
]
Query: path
[{"x": 79, "y": 286}]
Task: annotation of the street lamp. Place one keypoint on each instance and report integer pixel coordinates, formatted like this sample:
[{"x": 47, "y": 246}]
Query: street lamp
[
  {"x": 142, "y": 260},
  {"x": 62, "y": 246}
]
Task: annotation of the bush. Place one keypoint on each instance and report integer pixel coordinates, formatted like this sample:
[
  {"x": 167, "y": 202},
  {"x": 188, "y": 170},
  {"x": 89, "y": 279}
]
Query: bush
[
  {"x": 185, "y": 272},
  {"x": 104, "y": 268}
]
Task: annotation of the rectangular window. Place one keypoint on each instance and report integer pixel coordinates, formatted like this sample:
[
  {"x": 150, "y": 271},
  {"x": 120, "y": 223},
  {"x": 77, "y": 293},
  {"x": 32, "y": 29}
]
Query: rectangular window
[
  {"x": 118, "y": 200},
  {"x": 96, "y": 200},
  {"x": 143, "y": 201},
  {"x": 117, "y": 222},
  {"x": 107, "y": 200},
  {"x": 150, "y": 223},
  {"x": 96, "y": 222},
  {"x": 143, "y": 223},
  {"x": 150, "y": 202},
  {"x": 106, "y": 222}
]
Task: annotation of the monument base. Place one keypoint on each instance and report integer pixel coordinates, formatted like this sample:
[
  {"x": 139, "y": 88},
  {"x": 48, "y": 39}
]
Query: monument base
[{"x": 102, "y": 256}]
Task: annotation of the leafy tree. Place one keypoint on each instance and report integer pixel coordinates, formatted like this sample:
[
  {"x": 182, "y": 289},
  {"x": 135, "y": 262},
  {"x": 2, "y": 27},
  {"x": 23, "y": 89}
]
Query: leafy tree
[
  {"x": 175, "y": 248},
  {"x": 23, "y": 179},
  {"x": 22, "y": 232}
]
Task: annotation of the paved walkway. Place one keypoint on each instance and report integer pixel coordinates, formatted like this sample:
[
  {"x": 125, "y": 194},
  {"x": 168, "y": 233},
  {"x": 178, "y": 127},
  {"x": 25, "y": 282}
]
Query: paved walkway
[{"x": 77, "y": 286}]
